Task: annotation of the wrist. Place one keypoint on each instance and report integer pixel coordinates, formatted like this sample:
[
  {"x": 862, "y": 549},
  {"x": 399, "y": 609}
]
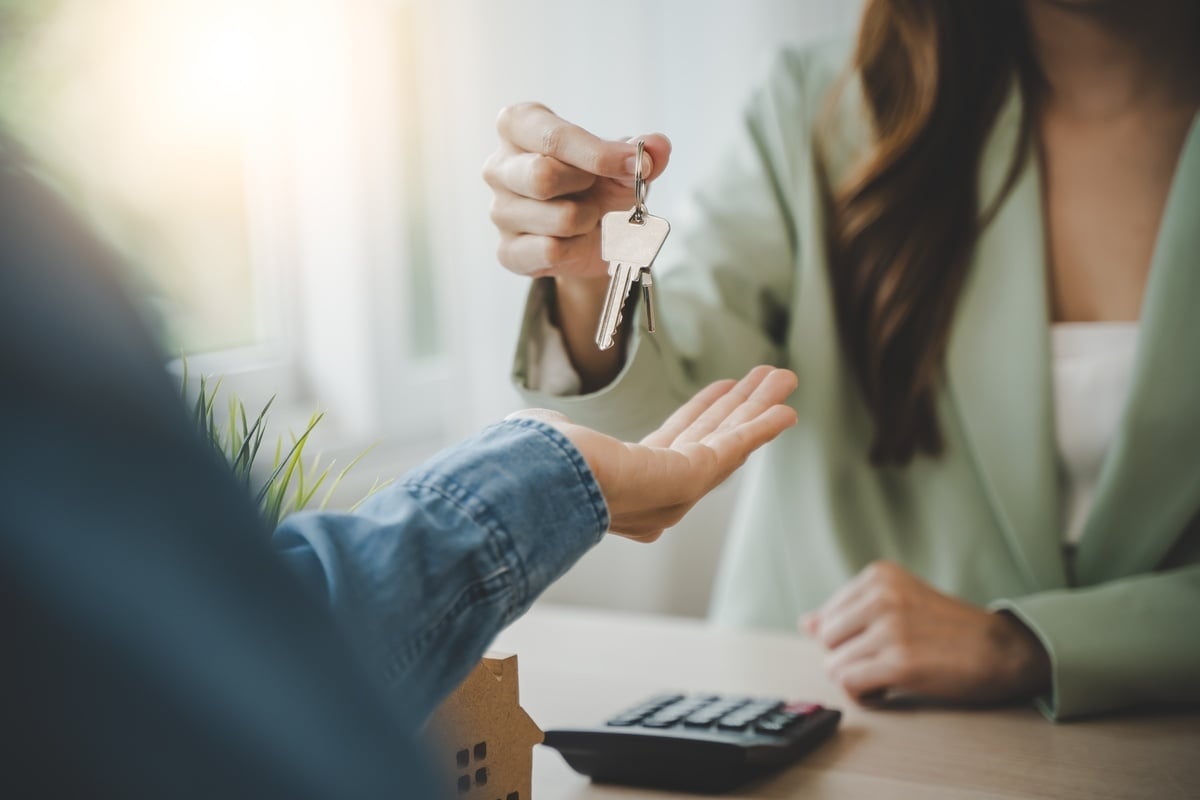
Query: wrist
[
  {"x": 1025, "y": 664},
  {"x": 575, "y": 310},
  {"x": 571, "y": 294}
]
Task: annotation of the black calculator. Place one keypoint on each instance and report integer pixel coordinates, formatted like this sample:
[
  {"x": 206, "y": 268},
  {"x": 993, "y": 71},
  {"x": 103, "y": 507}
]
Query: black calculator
[{"x": 702, "y": 743}]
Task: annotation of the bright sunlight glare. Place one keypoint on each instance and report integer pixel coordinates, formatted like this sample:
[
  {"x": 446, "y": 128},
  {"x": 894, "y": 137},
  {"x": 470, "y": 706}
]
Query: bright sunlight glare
[
  {"x": 151, "y": 113},
  {"x": 223, "y": 79}
]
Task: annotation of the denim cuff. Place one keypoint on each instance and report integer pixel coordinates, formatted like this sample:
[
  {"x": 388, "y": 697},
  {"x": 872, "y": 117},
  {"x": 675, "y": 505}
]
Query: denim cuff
[{"x": 531, "y": 487}]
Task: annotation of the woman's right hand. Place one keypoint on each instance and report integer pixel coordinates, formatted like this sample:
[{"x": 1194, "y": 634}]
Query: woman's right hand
[{"x": 552, "y": 182}]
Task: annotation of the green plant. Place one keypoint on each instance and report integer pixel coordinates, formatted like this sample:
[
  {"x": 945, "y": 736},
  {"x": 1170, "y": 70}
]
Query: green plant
[{"x": 290, "y": 483}]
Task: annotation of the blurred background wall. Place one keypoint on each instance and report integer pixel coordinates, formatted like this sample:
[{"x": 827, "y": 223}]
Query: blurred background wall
[{"x": 297, "y": 185}]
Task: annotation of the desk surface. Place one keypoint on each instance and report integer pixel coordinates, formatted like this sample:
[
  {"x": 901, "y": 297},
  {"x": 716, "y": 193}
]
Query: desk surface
[{"x": 579, "y": 667}]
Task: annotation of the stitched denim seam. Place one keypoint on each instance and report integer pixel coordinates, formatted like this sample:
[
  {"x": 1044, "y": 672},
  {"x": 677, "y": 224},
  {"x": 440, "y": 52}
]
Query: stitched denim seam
[
  {"x": 481, "y": 589},
  {"x": 475, "y": 593}
]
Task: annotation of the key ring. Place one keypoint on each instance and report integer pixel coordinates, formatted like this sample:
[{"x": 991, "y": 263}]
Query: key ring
[{"x": 639, "y": 187}]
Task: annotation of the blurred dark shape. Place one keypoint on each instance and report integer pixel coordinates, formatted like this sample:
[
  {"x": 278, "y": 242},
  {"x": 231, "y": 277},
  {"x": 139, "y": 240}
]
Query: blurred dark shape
[{"x": 153, "y": 645}]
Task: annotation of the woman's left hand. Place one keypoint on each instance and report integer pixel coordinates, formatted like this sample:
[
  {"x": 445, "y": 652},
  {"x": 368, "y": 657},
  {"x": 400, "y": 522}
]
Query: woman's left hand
[{"x": 889, "y": 632}]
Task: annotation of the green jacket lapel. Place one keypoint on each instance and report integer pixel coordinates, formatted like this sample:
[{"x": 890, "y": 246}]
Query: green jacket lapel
[
  {"x": 998, "y": 361},
  {"x": 1149, "y": 486}
]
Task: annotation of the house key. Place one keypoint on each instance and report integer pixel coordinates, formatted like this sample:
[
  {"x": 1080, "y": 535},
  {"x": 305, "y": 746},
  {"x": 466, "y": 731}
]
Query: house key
[{"x": 629, "y": 242}]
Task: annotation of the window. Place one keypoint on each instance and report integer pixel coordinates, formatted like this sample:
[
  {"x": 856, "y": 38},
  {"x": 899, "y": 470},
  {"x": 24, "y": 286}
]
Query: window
[{"x": 258, "y": 162}]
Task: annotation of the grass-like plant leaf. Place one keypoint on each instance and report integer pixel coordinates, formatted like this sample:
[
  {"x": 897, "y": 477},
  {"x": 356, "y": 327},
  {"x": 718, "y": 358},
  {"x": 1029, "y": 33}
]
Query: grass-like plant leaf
[{"x": 289, "y": 484}]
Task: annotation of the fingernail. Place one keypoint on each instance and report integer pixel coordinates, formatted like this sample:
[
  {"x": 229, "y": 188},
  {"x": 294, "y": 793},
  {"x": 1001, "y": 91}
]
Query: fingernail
[{"x": 631, "y": 165}]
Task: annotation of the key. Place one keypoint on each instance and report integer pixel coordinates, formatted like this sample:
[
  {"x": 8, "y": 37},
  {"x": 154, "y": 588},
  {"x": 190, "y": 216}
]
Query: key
[
  {"x": 647, "y": 282},
  {"x": 629, "y": 242},
  {"x": 630, "y": 248},
  {"x": 621, "y": 277}
]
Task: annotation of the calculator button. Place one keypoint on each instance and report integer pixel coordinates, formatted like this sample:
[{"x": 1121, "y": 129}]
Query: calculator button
[
  {"x": 659, "y": 722},
  {"x": 705, "y": 717},
  {"x": 770, "y": 725},
  {"x": 734, "y": 724},
  {"x": 632, "y": 716},
  {"x": 698, "y": 722},
  {"x": 760, "y": 708},
  {"x": 623, "y": 721},
  {"x": 778, "y": 722},
  {"x": 701, "y": 720},
  {"x": 736, "y": 720},
  {"x": 797, "y": 707},
  {"x": 666, "y": 718}
]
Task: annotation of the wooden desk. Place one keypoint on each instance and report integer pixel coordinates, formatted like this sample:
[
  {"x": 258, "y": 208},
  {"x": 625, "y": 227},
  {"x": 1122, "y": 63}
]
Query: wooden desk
[{"x": 579, "y": 667}]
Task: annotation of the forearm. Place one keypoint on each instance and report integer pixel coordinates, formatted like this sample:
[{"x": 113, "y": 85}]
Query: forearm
[
  {"x": 429, "y": 571},
  {"x": 575, "y": 311}
]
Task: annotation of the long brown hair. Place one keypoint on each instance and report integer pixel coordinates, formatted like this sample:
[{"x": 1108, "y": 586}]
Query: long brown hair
[{"x": 903, "y": 225}]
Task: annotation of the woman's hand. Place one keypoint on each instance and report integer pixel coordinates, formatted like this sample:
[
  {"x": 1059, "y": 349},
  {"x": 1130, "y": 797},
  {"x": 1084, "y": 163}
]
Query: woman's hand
[
  {"x": 551, "y": 183},
  {"x": 889, "y": 632},
  {"x": 650, "y": 486}
]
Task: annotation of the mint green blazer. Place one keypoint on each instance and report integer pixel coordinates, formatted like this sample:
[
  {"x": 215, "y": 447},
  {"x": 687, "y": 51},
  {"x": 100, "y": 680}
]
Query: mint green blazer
[{"x": 743, "y": 281}]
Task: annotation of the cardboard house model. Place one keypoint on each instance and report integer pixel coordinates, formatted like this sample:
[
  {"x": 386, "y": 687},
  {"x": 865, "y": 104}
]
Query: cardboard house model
[{"x": 484, "y": 736}]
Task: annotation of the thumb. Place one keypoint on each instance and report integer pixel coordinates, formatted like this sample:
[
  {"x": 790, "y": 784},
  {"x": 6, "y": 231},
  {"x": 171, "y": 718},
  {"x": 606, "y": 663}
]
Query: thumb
[{"x": 656, "y": 153}]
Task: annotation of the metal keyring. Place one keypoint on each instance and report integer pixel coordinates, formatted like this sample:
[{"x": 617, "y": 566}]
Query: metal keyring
[{"x": 639, "y": 186}]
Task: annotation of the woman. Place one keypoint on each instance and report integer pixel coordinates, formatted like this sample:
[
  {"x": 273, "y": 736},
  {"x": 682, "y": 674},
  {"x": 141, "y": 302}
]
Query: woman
[{"x": 974, "y": 237}]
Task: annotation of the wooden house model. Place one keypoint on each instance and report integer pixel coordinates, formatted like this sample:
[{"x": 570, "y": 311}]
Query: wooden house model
[{"x": 484, "y": 736}]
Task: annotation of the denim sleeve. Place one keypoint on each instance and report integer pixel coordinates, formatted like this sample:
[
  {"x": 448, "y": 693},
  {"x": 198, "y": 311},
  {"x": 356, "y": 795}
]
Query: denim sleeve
[{"x": 428, "y": 571}]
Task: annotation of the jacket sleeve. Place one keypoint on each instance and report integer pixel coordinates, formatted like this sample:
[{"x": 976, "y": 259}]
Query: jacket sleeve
[
  {"x": 723, "y": 282},
  {"x": 1126, "y": 643},
  {"x": 428, "y": 571}
]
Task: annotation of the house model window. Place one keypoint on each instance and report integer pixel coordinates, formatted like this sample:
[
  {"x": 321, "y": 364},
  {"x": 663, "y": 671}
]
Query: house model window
[{"x": 486, "y": 736}]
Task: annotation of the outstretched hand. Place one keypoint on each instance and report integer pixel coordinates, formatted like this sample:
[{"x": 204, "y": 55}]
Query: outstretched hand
[{"x": 650, "y": 485}]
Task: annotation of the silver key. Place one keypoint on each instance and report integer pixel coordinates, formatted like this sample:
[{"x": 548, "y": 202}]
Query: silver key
[
  {"x": 629, "y": 242},
  {"x": 630, "y": 248},
  {"x": 621, "y": 277}
]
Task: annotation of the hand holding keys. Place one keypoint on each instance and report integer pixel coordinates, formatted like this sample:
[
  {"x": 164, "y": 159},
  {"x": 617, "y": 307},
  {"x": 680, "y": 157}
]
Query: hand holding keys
[{"x": 629, "y": 242}]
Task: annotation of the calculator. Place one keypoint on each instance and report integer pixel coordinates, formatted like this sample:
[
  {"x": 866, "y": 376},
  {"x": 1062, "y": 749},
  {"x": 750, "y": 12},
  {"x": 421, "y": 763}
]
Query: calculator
[{"x": 702, "y": 743}]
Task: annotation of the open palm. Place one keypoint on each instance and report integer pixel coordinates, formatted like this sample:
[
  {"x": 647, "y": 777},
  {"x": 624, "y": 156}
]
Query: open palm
[{"x": 651, "y": 484}]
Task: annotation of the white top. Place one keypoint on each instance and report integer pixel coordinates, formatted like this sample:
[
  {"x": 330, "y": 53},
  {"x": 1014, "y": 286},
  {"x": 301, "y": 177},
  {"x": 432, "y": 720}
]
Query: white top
[
  {"x": 550, "y": 368},
  {"x": 1092, "y": 366}
]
